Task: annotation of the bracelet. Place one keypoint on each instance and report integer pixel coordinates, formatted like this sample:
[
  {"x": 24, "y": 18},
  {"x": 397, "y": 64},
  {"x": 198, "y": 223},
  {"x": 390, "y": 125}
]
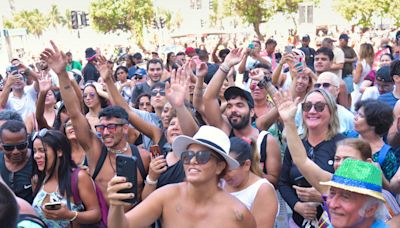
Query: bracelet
[
  {"x": 150, "y": 181},
  {"x": 75, "y": 216},
  {"x": 224, "y": 68}
]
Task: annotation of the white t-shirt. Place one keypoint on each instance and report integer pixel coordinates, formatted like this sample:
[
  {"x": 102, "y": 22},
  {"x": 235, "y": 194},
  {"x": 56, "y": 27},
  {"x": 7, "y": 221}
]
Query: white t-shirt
[
  {"x": 370, "y": 92},
  {"x": 24, "y": 105},
  {"x": 338, "y": 57}
]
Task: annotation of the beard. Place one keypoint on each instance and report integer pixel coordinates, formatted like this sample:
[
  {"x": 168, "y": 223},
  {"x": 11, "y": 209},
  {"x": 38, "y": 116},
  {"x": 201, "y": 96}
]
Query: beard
[{"x": 240, "y": 124}]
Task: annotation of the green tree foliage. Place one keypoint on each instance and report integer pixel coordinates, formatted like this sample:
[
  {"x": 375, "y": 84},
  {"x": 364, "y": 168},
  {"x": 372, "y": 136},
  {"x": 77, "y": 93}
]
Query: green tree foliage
[
  {"x": 360, "y": 12},
  {"x": 127, "y": 15},
  {"x": 391, "y": 8},
  {"x": 54, "y": 16},
  {"x": 215, "y": 15},
  {"x": 34, "y": 22}
]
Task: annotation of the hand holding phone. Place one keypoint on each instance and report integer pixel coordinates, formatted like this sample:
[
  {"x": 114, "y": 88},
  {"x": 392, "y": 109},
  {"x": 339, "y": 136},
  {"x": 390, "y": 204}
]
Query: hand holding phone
[
  {"x": 288, "y": 49},
  {"x": 155, "y": 151},
  {"x": 127, "y": 167},
  {"x": 53, "y": 206}
]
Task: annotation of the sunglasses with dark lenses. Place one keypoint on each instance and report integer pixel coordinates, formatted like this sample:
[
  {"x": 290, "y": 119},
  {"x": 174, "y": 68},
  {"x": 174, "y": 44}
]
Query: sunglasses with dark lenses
[
  {"x": 154, "y": 92},
  {"x": 202, "y": 157},
  {"x": 318, "y": 106},
  {"x": 40, "y": 134},
  {"x": 110, "y": 127},
  {"x": 19, "y": 146},
  {"x": 324, "y": 85},
  {"x": 138, "y": 77},
  {"x": 91, "y": 95}
]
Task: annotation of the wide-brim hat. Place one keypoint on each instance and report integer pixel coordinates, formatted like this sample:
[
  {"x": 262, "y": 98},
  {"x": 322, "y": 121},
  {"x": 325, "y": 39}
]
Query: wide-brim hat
[
  {"x": 235, "y": 91},
  {"x": 210, "y": 137},
  {"x": 359, "y": 177}
]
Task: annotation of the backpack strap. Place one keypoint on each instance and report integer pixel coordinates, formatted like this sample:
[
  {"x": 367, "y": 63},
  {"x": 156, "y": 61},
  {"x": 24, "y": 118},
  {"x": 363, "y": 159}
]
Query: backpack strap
[
  {"x": 74, "y": 186},
  {"x": 262, "y": 148},
  {"x": 100, "y": 162},
  {"x": 140, "y": 165},
  {"x": 382, "y": 154}
]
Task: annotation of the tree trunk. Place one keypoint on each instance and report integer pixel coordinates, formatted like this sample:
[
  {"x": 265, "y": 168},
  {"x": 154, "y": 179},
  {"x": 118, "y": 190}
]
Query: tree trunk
[{"x": 256, "y": 27}]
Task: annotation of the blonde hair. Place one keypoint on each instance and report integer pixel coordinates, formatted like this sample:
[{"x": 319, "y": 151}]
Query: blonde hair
[
  {"x": 367, "y": 53},
  {"x": 333, "y": 127}
]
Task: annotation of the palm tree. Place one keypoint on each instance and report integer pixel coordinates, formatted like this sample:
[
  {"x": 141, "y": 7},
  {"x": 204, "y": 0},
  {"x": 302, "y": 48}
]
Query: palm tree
[
  {"x": 34, "y": 21},
  {"x": 54, "y": 17}
]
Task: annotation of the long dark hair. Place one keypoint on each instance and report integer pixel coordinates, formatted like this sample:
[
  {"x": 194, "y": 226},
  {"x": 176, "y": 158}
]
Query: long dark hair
[
  {"x": 168, "y": 62},
  {"x": 56, "y": 141},
  {"x": 103, "y": 101}
]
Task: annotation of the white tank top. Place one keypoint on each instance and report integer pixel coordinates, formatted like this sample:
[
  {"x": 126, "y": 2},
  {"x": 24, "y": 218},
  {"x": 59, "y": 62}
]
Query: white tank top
[{"x": 247, "y": 195}]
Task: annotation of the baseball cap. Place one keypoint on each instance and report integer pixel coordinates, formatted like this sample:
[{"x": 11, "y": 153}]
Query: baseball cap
[
  {"x": 383, "y": 74},
  {"x": 306, "y": 37},
  {"x": 235, "y": 91},
  {"x": 344, "y": 37},
  {"x": 189, "y": 50}
]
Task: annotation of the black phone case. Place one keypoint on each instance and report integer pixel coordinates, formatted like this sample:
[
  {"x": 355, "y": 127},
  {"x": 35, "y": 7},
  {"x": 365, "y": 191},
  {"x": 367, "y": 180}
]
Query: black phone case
[{"x": 126, "y": 167}]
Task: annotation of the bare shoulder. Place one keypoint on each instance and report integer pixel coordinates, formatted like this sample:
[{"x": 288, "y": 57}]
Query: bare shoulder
[
  {"x": 266, "y": 191},
  {"x": 236, "y": 211}
]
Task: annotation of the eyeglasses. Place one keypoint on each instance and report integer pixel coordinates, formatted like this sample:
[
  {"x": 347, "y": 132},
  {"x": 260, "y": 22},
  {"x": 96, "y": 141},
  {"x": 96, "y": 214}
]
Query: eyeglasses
[
  {"x": 110, "y": 127},
  {"x": 202, "y": 157},
  {"x": 154, "y": 92},
  {"x": 325, "y": 85},
  {"x": 138, "y": 77},
  {"x": 318, "y": 106},
  {"x": 68, "y": 124},
  {"x": 19, "y": 146},
  {"x": 40, "y": 134},
  {"x": 91, "y": 95}
]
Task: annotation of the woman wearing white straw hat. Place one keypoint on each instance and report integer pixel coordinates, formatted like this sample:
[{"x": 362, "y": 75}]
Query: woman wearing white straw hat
[{"x": 197, "y": 202}]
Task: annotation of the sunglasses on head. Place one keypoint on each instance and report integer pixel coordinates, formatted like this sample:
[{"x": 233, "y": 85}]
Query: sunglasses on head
[
  {"x": 202, "y": 157},
  {"x": 91, "y": 95},
  {"x": 19, "y": 146},
  {"x": 318, "y": 106},
  {"x": 39, "y": 134},
  {"x": 110, "y": 127},
  {"x": 325, "y": 85},
  {"x": 154, "y": 92}
]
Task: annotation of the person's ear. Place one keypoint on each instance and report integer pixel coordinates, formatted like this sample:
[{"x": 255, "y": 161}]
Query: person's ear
[
  {"x": 221, "y": 167},
  {"x": 370, "y": 212},
  {"x": 247, "y": 165}
]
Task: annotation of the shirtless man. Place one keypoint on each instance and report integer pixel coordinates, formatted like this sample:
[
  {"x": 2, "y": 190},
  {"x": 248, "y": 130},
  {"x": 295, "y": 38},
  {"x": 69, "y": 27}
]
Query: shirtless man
[
  {"x": 113, "y": 127},
  {"x": 197, "y": 202}
]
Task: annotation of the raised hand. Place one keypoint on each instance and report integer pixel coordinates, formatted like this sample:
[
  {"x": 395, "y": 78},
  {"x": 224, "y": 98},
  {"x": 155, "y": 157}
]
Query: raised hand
[
  {"x": 55, "y": 58},
  {"x": 234, "y": 57},
  {"x": 103, "y": 68},
  {"x": 201, "y": 69},
  {"x": 256, "y": 74},
  {"x": 176, "y": 90},
  {"x": 286, "y": 106},
  {"x": 158, "y": 165},
  {"x": 45, "y": 83}
]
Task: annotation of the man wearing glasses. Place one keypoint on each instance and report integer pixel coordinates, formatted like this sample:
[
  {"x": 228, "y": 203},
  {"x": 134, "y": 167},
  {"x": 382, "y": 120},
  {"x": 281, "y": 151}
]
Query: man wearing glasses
[{"x": 16, "y": 160}]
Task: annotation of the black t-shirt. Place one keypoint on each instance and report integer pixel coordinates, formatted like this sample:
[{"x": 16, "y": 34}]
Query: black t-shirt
[
  {"x": 322, "y": 154},
  {"x": 19, "y": 182},
  {"x": 174, "y": 174},
  {"x": 310, "y": 54},
  {"x": 90, "y": 72},
  {"x": 349, "y": 53}
]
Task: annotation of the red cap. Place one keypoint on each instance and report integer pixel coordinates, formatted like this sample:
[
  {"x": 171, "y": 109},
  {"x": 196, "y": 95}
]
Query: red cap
[{"x": 189, "y": 50}]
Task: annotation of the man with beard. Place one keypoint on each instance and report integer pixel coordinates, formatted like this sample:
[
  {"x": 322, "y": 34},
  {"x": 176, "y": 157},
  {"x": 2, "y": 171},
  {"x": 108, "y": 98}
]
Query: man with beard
[
  {"x": 16, "y": 164},
  {"x": 239, "y": 111},
  {"x": 154, "y": 73}
]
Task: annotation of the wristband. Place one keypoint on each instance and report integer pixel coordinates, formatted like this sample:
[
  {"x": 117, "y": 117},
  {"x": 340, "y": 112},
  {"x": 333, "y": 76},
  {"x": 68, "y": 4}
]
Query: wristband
[
  {"x": 224, "y": 68},
  {"x": 150, "y": 181},
  {"x": 75, "y": 216}
]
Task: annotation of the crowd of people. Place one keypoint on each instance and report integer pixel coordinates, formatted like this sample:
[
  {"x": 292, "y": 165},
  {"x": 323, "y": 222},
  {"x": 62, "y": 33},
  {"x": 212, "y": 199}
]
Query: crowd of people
[{"x": 240, "y": 137}]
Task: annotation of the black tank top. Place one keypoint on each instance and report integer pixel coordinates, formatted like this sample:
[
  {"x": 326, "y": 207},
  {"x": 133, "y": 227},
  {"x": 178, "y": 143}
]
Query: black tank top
[{"x": 19, "y": 182}]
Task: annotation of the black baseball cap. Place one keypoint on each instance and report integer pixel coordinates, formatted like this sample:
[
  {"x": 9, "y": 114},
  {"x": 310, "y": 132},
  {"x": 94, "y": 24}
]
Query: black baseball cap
[
  {"x": 383, "y": 74},
  {"x": 235, "y": 91},
  {"x": 306, "y": 38},
  {"x": 344, "y": 37}
]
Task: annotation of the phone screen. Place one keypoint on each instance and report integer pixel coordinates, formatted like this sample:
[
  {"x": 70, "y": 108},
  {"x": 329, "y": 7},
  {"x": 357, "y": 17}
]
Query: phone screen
[
  {"x": 155, "y": 151},
  {"x": 288, "y": 49}
]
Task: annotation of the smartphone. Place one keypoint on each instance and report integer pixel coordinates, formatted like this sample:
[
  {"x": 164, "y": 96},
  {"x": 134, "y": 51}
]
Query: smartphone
[
  {"x": 11, "y": 69},
  {"x": 126, "y": 167},
  {"x": 251, "y": 46},
  {"x": 155, "y": 151},
  {"x": 301, "y": 182},
  {"x": 52, "y": 206},
  {"x": 288, "y": 49}
]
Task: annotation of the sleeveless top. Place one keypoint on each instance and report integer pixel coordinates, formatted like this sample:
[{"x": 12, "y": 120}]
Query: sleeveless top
[
  {"x": 54, "y": 197},
  {"x": 248, "y": 195},
  {"x": 19, "y": 182}
]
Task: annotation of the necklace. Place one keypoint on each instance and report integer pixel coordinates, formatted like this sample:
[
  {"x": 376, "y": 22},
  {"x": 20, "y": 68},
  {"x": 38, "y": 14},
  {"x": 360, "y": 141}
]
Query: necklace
[{"x": 119, "y": 151}]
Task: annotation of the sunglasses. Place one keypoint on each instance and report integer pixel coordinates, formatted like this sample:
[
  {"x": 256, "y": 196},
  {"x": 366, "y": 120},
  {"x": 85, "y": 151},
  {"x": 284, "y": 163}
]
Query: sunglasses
[
  {"x": 154, "y": 92},
  {"x": 318, "y": 106},
  {"x": 325, "y": 85},
  {"x": 138, "y": 77},
  {"x": 110, "y": 127},
  {"x": 39, "y": 134},
  {"x": 202, "y": 157},
  {"x": 91, "y": 95},
  {"x": 19, "y": 146}
]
